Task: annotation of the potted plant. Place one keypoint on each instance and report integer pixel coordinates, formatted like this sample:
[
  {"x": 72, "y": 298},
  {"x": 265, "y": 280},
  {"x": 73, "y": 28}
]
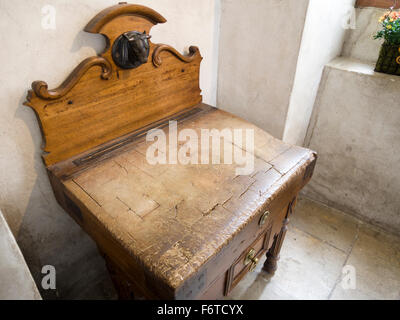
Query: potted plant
[{"x": 389, "y": 57}]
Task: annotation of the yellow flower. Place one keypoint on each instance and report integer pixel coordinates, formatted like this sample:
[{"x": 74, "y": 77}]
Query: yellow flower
[
  {"x": 391, "y": 20},
  {"x": 389, "y": 27}
]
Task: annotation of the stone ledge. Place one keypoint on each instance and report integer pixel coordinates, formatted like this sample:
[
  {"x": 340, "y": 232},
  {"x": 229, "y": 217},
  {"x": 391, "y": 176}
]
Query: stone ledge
[
  {"x": 359, "y": 67},
  {"x": 355, "y": 130}
]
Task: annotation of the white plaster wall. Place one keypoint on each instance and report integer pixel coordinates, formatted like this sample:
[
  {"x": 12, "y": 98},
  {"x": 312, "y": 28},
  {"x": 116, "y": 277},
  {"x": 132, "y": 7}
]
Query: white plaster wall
[
  {"x": 259, "y": 47},
  {"x": 44, "y": 232},
  {"x": 16, "y": 282},
  {"x": 323, "y": 37},
  {"x": 359, "y": 43}
]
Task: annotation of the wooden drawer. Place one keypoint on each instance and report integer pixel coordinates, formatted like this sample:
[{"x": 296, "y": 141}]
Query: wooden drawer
[
  {"x": 248, "y": 260},
  {"x": 226, "y": 282},
  {"x": 229, "y": 268}
]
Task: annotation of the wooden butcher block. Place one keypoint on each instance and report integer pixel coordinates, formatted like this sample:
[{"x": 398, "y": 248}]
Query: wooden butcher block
[{"x": 168, "y": 230}]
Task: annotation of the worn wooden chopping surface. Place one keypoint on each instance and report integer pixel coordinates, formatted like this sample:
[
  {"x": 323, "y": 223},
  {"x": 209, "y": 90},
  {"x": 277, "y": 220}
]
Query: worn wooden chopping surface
[{"x": 174, "y": 218}]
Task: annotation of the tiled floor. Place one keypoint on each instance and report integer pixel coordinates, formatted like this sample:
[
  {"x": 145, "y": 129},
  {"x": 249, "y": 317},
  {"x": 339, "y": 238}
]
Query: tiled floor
[{"x": 320, "y": 242}]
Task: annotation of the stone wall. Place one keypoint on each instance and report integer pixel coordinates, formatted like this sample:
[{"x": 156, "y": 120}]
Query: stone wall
[{"x": 259, "y": 46}]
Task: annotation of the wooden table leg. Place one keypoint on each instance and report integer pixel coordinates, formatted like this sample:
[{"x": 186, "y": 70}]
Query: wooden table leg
[
  {"x": 271, "y": 264},
  {"x": 122, "y": 285}
]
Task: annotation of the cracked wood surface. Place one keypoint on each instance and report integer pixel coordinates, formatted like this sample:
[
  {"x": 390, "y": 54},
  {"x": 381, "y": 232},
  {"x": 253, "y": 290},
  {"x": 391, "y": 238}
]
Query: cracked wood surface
[
  {"x": 166, "y": 231},
  {"x": 173, "y": 219}
]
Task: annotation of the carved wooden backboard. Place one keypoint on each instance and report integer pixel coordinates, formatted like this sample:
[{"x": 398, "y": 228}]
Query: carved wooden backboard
[{"x": 100, "y": 102}]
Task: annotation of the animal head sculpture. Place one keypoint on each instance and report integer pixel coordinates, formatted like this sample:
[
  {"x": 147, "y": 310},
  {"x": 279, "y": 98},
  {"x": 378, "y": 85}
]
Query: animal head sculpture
[{"x": 131, "y": 49}]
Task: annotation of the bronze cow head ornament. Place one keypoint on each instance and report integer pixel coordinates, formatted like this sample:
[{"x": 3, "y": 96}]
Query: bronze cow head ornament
[{"x": 131, "y": 49}]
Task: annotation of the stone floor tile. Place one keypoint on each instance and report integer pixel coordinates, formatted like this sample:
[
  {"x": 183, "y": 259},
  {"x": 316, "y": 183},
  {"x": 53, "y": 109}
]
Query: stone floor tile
[
  {"x": 330, "y": 225},
  {"x": 376, "y": 259},
  {"x": 308, "y": 269}
]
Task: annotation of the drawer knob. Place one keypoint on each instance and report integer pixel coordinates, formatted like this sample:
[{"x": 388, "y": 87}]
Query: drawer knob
[
  {"x": 264, "y": 218},
  {"x": 251, "y": 258}
]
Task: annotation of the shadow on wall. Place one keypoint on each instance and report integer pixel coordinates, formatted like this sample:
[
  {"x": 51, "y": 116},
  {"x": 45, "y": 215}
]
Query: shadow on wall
[
  {"x": 84, "y": 39},
  {"x": 47, "y": 235}
]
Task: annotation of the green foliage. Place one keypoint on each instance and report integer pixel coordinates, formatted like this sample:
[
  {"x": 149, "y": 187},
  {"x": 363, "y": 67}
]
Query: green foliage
[{"x": 390, "y": 31}]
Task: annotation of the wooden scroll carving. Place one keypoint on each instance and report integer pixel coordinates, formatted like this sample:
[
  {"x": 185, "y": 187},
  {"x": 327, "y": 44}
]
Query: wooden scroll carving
[
  {"x": 100, "y": 102},
  {"x": 103, "y": 18},
  {"x": 41, "y": 88},
  {"x": 157, "y": 61}
]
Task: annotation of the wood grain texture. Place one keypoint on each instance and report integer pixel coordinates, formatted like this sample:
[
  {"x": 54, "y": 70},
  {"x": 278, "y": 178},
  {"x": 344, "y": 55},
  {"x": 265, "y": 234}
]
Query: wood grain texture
[
  {"x": 271, "y": 264},
  {"x": 40, "y": 88},
  {"x": 385, "y": 4},
  {"x": 107, "y": 15},
  {"x": 168, "y": 231},
  {"x": 238, "y": 269},
  {"x": 157, "y": 61},
  {"x": 87, "y": 110},
  {"x": 182, "y": 226}
]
